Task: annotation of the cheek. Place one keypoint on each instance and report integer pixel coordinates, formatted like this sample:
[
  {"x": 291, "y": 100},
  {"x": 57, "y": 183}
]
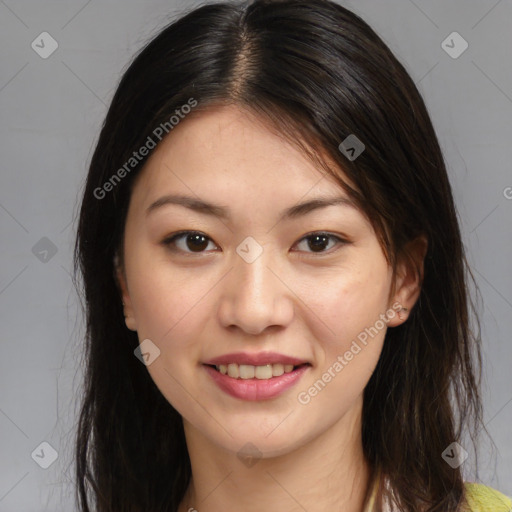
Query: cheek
[
  {"x": 166, "y": 299},
  {"x": 347, "y": 357},
  {"x": 348, "y": 301},
  {"x": 170, "y": 308}
]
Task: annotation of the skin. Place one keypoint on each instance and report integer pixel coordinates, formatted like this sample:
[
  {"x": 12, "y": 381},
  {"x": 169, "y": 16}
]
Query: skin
[{"x": 292, "y": 300}]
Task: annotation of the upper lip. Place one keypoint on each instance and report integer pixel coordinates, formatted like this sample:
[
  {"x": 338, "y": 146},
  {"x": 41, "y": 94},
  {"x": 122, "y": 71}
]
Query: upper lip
[{"x": 256, "y": 359}]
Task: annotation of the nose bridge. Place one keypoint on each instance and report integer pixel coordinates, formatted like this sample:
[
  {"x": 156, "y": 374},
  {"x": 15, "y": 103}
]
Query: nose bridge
[
  {"x": 254, "y": 297},
  {"x": 256, "y": 279},
  {"x": 252, "y": 272}
]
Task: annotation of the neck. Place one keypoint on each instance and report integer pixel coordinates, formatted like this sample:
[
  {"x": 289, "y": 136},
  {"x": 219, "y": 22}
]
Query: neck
[{"x": 327, "y": 473}]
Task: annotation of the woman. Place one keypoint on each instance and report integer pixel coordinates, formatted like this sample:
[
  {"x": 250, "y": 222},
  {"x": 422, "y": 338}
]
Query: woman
[{"x": 275, "y": 283}]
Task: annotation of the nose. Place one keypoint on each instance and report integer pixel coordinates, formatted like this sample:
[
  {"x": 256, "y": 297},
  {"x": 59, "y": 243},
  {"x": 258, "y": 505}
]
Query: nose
[{"x": 255, "y": 297}]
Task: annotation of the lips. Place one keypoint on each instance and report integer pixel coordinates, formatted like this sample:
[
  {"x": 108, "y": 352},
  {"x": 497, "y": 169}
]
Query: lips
[
  {"x": 255, "y": 359},
  {"x": 256, "y": 376},
  {"x": 256, "y": 388}
]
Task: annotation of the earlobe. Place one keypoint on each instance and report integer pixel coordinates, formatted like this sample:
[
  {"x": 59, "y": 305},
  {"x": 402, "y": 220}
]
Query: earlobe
[
  {"x": 409, "y": 279},
  {"x": 402, "y": 313},
  {"x": 130, "y": 322},
  {"x": 120, "y": 279}
]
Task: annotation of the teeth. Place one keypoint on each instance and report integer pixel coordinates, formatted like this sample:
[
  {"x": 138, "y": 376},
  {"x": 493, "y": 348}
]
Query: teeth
[
  {"x": 232, "y": 370},
  {"x": 248, "y": 371}
]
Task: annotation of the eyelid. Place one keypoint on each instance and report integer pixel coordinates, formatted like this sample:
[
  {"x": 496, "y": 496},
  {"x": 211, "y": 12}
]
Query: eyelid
[
  {"x": 341, "y": 241},
  {"x": 169, "y": 240}
]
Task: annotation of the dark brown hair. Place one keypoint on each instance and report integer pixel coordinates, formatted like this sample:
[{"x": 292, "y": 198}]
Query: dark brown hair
[{"x": 318, "y": 73}]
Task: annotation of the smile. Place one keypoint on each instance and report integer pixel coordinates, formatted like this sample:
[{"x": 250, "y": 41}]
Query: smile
[
  {"x": 249, "y": 371},
  {"x": 248, "y": 382}
]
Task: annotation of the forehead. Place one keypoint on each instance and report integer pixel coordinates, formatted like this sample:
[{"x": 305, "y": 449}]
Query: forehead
[{"x": 227, "y": 147}]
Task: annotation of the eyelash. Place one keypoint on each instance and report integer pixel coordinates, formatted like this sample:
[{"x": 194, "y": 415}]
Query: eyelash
[{"x": 169, "y": 241}]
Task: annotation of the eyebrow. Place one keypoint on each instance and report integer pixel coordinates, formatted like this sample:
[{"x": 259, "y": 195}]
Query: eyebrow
[{"x": 206, "y": 208}]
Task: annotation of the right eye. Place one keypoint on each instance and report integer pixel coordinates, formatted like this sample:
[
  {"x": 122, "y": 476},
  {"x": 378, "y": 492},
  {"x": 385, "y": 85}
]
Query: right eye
[{"x": 193, "y": 240}]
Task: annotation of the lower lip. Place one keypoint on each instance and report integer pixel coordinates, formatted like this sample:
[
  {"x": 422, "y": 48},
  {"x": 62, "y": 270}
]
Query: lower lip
[{"x": 256, "y": 389}]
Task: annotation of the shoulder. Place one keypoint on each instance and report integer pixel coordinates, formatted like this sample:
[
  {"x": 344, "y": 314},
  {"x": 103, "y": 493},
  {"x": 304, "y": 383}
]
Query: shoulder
[{"x": 482, "y": 498}]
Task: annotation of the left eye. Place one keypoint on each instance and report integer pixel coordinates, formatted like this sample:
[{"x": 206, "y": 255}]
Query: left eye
[
  {"x": 319, "y": 240},
  {"x": 197, "y": 242}
]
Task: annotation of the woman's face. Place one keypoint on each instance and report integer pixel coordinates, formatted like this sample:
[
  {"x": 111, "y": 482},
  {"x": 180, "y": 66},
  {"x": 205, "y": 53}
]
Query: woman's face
[{"x": 251, "y": 284}]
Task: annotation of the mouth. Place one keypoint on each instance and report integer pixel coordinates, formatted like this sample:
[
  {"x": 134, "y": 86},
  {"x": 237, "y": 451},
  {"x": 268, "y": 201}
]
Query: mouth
[
  {"x": 255, "y": 383},
  {"x": 260, "y": 372}
]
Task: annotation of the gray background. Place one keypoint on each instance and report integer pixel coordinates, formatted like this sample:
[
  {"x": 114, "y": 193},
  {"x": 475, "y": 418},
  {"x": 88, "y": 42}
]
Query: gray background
[{"x": 51, "y": 112}]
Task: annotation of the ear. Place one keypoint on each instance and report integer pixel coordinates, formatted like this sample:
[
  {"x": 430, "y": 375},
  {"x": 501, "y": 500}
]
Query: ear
[
  {"x": 408, "y": 280},
  {"x": 120, "y": 278}
]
